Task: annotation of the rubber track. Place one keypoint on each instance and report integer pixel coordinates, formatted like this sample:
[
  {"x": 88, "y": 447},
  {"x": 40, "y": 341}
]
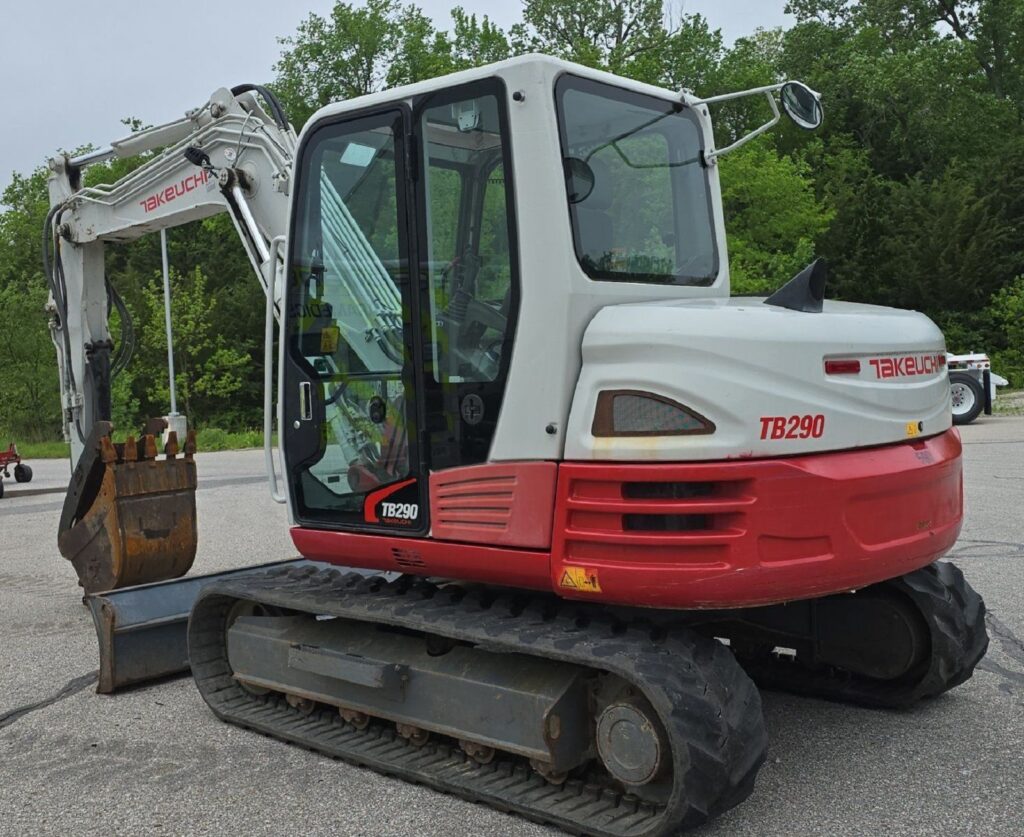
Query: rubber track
[
  {"x": 955, "y": 615},
  {"x": 710, "y": 709}
]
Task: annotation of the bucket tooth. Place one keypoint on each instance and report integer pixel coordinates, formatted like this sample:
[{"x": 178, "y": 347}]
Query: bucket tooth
[
  {"x": 154, "y": 427},
  {"x": 127, "y": 521},
  {"x": 171, "y": 448}
]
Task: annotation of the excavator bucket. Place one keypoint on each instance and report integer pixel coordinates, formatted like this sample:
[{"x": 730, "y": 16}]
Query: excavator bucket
[{"x": 130, "y": 516}]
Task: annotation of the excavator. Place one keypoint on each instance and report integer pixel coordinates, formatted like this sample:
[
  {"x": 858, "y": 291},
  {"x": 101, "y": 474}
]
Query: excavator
[{"x": 561, "y": 501}]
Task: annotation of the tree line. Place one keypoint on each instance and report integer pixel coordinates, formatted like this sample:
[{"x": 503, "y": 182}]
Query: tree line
[{"x": 913, "y": 189}]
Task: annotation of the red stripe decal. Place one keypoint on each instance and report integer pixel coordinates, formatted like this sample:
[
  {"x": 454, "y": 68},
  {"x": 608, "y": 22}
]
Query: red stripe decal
[{"x": 374, "y": 497}]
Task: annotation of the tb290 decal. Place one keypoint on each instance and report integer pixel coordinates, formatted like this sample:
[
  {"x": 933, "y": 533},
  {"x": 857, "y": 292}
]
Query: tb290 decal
[
  {"x": 396, "y": 504},
  {"x": 399, "y": 511},
  {"x": 792, "y": 427}
]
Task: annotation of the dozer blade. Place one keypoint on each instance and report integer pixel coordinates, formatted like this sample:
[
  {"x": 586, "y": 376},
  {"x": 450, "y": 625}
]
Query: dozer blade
[
  {"x": 130, "y": 517},
  {"x": 143, "y": 631}
]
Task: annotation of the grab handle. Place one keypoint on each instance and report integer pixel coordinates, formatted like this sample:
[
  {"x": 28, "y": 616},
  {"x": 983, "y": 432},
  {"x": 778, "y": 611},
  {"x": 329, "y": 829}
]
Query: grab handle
[{"x": 270, "y": 271}]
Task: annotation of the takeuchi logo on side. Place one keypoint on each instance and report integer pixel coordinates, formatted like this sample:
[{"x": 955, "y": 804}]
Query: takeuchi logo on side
[
  {"x": 908, "y": 365},
  {"x": 183, "y": 187}
]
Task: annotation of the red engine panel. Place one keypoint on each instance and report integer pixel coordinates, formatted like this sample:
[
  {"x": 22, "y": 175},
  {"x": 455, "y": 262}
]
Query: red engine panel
[
  {"x": 709, "y": 535},
  {"x": 500, "y": 504}
]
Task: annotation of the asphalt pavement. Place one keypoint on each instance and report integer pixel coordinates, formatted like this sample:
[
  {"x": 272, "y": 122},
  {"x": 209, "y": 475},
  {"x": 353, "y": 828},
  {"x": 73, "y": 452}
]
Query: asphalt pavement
[{"x": 154, "y": 760}]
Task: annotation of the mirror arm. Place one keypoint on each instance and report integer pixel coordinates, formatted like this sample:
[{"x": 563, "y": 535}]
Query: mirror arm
[
  {"x": 726, "y": 97},
  {"x": 711, "y": 157}
]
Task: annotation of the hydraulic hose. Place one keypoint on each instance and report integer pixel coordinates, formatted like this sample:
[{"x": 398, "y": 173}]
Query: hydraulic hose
[
  {"x": 54, "y": 273},
  {"x": 276, "y": 110}
]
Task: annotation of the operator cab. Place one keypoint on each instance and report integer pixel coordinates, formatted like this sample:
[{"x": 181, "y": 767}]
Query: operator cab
[
  {"x": 405, "y": 272},
  {"x": 425, "y": 244}
]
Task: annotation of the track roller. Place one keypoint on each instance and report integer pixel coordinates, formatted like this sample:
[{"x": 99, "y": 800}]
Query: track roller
[
  {"x": 303, "y": 705},
  {"x": 416, "y": 736},
  {"x": 360, "y": 720},
  {"x": 480, "y": 753},
  {"x": 548, "y": 773}
]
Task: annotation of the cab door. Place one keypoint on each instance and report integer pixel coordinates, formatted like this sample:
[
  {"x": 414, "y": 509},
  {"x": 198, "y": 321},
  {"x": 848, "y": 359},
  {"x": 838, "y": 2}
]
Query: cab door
[
  {"x": 468, "y": 266},
  {"x": 349, "y": 411},
  {"x": 401, "y": 305}
]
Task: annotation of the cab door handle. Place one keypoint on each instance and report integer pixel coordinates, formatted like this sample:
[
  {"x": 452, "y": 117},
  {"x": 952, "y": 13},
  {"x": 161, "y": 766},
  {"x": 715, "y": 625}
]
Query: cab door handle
[{"x": 305, "y": 401}]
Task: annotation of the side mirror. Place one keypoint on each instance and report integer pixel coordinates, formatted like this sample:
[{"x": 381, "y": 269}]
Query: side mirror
[{"x": 801, "y": 104}]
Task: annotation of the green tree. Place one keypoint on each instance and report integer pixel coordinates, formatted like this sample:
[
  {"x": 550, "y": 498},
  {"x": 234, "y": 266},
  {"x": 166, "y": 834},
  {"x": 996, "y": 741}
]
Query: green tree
[
  {"x": 689, "y": 58},
  {"x": 475, "y": 42},
  {"x": 29, "y": 389},
  {"x": 1005, "y": 313},
  {"x": 600, "y": 33},
  {"x": 209, "y": 371},
  {"x": 340, "y": 57},
  {"x": 21, "y": 226},
  {"x": 772, "y": 217}
]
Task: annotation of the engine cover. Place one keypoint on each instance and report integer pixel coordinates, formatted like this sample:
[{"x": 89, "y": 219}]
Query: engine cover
[{"x": 757, "y": 373}]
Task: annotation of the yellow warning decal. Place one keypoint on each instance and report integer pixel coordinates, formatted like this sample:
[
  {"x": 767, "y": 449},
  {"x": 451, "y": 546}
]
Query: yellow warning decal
[
  {"x": 913, "y": 428},
  {"x": 579, "y": 578},
  {"x": 329, "y": 339}
]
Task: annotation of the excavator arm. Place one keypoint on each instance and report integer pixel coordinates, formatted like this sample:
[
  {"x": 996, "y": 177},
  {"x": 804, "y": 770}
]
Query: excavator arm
[
  {"x": 129, "y": 515},
  {"x": 230, "y": 155}
]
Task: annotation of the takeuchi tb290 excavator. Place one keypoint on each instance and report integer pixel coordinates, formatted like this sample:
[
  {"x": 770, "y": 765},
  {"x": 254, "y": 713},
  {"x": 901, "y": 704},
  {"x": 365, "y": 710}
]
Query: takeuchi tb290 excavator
[{"x": 605, "y": 497}]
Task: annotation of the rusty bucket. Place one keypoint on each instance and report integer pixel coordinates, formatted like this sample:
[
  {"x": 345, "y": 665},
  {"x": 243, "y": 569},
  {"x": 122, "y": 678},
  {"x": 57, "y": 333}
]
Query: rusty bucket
[{"x": 130, "y": 516}]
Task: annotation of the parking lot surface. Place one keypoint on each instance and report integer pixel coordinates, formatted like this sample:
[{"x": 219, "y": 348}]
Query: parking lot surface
[{"x": 154, "y": 760}]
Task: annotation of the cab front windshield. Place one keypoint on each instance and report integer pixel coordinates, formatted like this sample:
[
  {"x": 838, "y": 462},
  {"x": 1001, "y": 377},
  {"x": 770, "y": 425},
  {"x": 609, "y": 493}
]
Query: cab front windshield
[{"x": 637, "y": 188}]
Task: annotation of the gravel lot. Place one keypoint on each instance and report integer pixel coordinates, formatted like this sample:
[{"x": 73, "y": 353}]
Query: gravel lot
[{"x": 153, "y": 760}]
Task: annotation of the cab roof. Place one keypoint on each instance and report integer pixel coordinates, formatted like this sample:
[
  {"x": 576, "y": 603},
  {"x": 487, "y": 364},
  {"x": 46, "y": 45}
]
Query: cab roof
[{"x": 520, "y": 68}]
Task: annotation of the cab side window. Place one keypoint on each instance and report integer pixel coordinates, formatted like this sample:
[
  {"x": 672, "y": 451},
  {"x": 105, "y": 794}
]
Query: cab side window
[{"x": 469, "y": 266}]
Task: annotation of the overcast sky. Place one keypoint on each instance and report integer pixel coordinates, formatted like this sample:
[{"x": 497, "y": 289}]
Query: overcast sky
[{"x": 70, "y": 71}]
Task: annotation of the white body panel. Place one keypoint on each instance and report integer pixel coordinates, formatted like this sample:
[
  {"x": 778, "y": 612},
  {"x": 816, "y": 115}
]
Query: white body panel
[{"x": 739, "y": 361}]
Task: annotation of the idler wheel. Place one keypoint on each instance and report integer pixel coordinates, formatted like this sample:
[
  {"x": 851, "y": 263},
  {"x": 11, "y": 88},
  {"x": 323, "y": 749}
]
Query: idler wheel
[{"x": 630, "y": 742}]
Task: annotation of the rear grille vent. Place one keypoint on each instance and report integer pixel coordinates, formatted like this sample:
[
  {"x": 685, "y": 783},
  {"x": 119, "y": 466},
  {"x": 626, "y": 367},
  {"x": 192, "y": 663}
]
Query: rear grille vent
[
  {"x": 408, "y": 558},
  {"x": 666, "y": 490},
  {"x": 666, "y": 522}
]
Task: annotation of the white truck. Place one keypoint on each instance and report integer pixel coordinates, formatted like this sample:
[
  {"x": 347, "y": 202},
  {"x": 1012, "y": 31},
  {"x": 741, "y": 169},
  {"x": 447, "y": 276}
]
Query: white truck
[{"x": 972, "y": 385}]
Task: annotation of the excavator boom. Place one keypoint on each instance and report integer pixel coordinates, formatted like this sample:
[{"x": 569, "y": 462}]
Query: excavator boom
[{"x": 129, "y": 515}]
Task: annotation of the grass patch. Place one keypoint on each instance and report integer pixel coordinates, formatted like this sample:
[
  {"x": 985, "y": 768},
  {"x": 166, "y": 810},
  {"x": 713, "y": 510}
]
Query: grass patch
[
  {"x": 207, "y": 439},
  {"x": 43, "y": 450},
  {"x": 1009, "y": 402},
  {"x": 213, "y": 438}
]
